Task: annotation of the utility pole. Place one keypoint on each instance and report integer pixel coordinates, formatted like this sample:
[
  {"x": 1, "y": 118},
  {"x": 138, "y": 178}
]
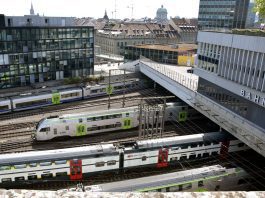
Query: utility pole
[
  {"x": 123, "y": 99},
  {"x": 108, "y": 89}
]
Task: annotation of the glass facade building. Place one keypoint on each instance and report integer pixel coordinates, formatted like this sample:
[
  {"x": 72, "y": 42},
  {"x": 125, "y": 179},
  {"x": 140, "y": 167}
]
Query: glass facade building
[
  {"x": 222, "y": 14},
  {"x": 38, "y": 54}
]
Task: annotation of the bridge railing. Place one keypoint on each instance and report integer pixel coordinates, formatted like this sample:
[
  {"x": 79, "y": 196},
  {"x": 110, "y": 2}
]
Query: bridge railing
[{"x": 180, "y": 78}]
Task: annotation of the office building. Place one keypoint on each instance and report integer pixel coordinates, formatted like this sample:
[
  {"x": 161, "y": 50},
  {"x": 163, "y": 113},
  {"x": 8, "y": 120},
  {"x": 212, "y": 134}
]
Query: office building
[
  {"x": 33, "y": 54},
  {"x": 224, "y": 14}
]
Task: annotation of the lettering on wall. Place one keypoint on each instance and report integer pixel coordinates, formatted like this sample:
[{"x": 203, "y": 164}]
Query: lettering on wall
[{"x": 253, "y": 97}]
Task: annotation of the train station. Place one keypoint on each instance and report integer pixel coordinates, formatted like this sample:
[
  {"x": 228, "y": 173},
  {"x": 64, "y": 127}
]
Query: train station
[{"x": 150, "y": 105}]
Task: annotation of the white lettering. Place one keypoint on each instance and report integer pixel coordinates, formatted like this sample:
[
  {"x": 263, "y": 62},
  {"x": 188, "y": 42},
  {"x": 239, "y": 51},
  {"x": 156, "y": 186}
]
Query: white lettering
[
  {"x": 256, "y": 99},
  {"x": 243, "y": 92},
  {"x": 248, "y": 96}
]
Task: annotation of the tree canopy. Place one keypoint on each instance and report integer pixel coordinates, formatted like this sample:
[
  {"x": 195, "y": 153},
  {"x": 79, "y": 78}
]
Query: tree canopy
[{"x": 260, "y": 7}]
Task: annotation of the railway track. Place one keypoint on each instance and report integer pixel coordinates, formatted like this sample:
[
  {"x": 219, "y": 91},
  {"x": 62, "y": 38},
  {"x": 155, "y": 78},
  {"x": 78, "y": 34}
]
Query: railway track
[{"x": 9, "y": 127}]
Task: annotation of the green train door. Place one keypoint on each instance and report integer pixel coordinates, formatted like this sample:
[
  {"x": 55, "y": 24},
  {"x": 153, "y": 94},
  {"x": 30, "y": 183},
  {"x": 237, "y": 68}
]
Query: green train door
[
  {"x": 127, "y": 123},
  {"x": 182, "y": 116},
  {"x": 81, "y": 130},
  {"x": 56, "y": 98}
]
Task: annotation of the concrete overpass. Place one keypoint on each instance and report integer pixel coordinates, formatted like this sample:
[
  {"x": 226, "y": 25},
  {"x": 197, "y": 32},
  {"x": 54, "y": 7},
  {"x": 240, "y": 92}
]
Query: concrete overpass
[{"x": 184, "y": 85}]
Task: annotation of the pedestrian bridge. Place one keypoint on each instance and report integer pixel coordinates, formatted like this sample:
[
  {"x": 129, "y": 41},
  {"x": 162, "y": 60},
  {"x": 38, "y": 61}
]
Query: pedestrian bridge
[{"x": 184, "y": 85}]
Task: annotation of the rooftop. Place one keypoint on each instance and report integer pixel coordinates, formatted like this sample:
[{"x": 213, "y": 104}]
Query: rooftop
[{"x": 174, "y": 48}]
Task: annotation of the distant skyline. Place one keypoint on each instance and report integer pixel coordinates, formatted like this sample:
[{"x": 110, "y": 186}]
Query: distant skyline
[{"x": 96, "y": 8}]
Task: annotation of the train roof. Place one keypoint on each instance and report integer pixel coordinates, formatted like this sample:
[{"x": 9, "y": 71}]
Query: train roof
[
  {"x": 58, "y": 154},
  {"x": 150, "y": 182},
  {"x": 204, "y": 137},
  {"x": 92, "y": 113}
]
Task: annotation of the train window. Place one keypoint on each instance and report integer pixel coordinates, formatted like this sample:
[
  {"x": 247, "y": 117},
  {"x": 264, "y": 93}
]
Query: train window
[
  {"x": 187, "y": 186},
  {"x": 60, "y": 162},
  {"x": 89, "y": 129},
  {"x": 207, "y": 143},
  {"x": 61, "y": 174},
  {"x": 102, "y": 117},
  {"x": 20, "y": 166},
  {"x": 183, "y": 157},
  {"x": 55, "y": 131},
  {"x": 184, "y": 146},
  {"x": 173, "y": 159},
  {"x": 45, "y": 129},
  {"x": 94, "y": 127},
  {"x": 144, "y": 158},
  {"x": 33, "y": 165},
  {"x": 80, "y": 120},
  {"x": 127, "y": 114},
  {"x": 5, "y": 168},
  {"x": 107, "y": 117},
  {"x": 117, "y": 116},
  {"x": 180, "y": 187},
  {"x": 200, "y": 184},
  {"x": 193, "y": 145},
  {"x": 19, "y": 178},
  {"x": 4, "y": 107},
  {"x": 100, "y": 164},
  {"x": 6, "y": 180},
  {"x": 46, "y": 175},
  {"x": 66, "y": 127},
  {"x": 205, "y": 155},
  {"x": 118, "y": 124},
  {"x": 215, "y": 143},
  {"x": 174, "y": 148},
  {"x": 98, "y": 118},
  {"x": 241, "y": 144},
  {"x": 32, "y": 103},
  {"x": 32, "y": 177},
  {"x": 173, "y": 189},
  {"x": 45, "y": 163},
  {"x": 215, "y": 153},
  {"x": 111, "y": 163},
  {"x": 89, "y": 119},
  {"x": 192, "y": 156}
]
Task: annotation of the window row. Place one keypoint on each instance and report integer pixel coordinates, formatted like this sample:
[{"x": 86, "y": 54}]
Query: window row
[
  {"x": 96, "y": 128},
  {"x": 45, "y": 33},
  {"x": 20, "y": 166},
  {"x": 106, "y": 117}
]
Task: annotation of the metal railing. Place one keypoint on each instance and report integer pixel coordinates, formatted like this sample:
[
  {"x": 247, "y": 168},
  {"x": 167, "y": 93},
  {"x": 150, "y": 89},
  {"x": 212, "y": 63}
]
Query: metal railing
[{"x": 180, "y": 78}]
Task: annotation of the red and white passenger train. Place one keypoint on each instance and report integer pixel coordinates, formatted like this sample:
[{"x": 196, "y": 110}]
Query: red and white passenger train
[{"x": 80, "y": 162}]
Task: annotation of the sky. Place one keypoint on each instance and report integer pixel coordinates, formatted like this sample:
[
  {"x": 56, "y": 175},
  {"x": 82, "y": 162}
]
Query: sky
[{"x": 96, "y": 8}]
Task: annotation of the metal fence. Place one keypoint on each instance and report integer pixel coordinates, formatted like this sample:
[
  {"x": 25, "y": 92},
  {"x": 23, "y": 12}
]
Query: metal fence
[{"x": 180, "y": 78}]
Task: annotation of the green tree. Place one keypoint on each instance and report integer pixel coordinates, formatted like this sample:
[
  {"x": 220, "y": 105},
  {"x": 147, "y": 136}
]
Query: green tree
[{"x": 260, "y": 7}]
